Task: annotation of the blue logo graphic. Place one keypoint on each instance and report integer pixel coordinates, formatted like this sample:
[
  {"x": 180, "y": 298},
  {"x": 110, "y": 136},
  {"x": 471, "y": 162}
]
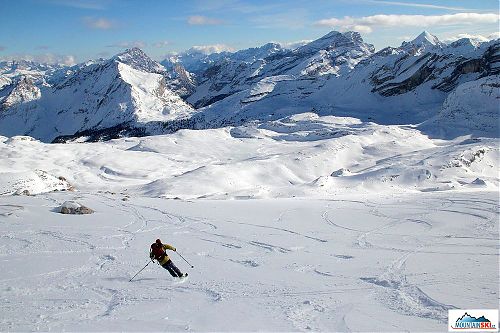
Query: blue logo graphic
[{"x": 469, "y": 322}]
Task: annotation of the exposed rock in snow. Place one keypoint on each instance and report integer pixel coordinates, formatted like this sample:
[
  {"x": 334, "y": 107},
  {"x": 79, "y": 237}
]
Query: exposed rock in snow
[
  {"x": 180, "y": 81},
  {"x": 479, "y": 182},
  {"x": 37, "y": 71},
  {"x": 74, "y": 208},
  {"x": 341, "y": 172},
  {"x": 137, "y": 59},
  {"x": 21, "y": 91}
]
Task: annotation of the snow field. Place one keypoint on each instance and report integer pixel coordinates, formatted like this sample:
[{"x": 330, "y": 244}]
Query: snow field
[
  {"x": 385, "y": 262},
  {"x": 298, "y": 156},
  {"x": 356, "y": 227}
]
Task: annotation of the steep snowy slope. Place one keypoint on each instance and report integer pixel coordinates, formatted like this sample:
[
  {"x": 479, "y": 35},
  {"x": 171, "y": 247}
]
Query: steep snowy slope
[
  {"x": 137, "y": 59},
  {"x": 21, "y": 90},
  {"x": 337, "y": 74},
  {"x": 123, "y": 91},
  {"x": 4, "y": 80},
  {"x": 392, "y": 86},
  {"x": 425, "y": 42},
  {"x": 472, "y": 108},
  {"x": 334, "y": 53}
]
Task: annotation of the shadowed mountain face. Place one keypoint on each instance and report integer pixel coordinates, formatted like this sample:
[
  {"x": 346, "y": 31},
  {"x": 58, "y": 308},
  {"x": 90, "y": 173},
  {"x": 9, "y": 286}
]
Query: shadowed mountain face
[{"x": 423, "y": 81}]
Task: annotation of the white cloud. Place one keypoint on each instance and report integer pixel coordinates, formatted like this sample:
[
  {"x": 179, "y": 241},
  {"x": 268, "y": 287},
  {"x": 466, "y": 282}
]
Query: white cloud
[
  {"x": 163, "y": 43},
  {"x": 413, "y": 4},
  {"x": 203, "y": 20},
  {"x": 480, "y": 38},
  {"x": 209, "y": 49},
  {"x": 46, "y": 58},
  {"x": 368, "y": 23},
  {"x": 128, "y": 44},
  {"x": 365, "y": 29},
  {"x": 68, "y": 60},
  {"x": 294, "y": 45},
  {"x": 100, "y": 23}
]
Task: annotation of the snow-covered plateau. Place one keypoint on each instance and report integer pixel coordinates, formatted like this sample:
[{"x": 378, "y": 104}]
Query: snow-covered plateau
[{"x": 328, "y": 187}]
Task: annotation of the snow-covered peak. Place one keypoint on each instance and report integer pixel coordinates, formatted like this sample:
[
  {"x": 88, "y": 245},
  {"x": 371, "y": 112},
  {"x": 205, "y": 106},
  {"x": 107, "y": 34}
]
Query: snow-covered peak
[
  {"x": 255, "y": 53},
  {"x": 22, "y": 90},
  {"x": 475, "y": 42},
  {"x": 137, "y": 59},
  {"x": 333, "y": 39},
  {"x": 10, "y": 70},
  {"x": 4, "y": 81},
  {"x": 464, "y": 46},
  {"x": 12, "y": 66},
  {"x": 426, "y": 37},
  {"x": 194, "y": 61},
  {"x": 423, "y": 42}
]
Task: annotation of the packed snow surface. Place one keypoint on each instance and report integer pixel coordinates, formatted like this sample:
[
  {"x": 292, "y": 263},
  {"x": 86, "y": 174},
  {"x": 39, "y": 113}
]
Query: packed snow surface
[
  {"x": 381, "y": 262},
  {"x": 353, "y": 226}
]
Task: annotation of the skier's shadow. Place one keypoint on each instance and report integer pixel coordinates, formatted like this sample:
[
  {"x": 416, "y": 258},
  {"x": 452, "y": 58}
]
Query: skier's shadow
[
  {"x": 143, "y": 279},
  {"x": 127, "y": 279}
]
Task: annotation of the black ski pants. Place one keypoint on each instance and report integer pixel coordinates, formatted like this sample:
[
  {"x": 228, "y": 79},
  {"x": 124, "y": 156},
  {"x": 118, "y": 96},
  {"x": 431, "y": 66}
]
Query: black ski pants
[{"x": 172, "y": 269}]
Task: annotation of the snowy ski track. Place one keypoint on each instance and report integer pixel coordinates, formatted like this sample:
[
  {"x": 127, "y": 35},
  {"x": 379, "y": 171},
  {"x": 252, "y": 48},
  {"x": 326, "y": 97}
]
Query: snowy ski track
[{"x": 364, "y": 262}]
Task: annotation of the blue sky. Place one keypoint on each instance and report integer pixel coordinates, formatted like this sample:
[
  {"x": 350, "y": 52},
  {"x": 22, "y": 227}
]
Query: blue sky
[{"x": 78, "y": 30}]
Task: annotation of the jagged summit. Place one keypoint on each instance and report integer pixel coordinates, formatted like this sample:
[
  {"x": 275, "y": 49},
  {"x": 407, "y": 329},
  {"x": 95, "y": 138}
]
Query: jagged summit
[
  {"x": 255, "y": 53},
  {"x": 128, "y": 90},
  {"x": 426, "y": 37},
  {"x": 337, "y": 71},
  {"x": 138, "y": 59},
  {"x": 424, "y": 41},
  {"x": 333, "y": 39},
  {"x": 21, "y": 90}
]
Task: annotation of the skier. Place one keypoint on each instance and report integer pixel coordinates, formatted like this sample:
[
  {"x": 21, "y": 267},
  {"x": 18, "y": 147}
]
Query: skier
[{"x": 157, "y": 252}]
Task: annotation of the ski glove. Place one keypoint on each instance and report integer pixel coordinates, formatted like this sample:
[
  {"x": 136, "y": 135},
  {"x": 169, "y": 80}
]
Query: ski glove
[{"x": 151, "y": 255}]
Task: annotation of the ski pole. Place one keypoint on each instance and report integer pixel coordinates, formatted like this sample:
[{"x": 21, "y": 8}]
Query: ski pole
[
  {"x": 184, "y": 259},
  {"x": 140, "y": 271}
]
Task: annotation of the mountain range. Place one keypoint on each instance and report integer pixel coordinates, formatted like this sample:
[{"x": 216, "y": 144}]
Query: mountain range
[{"x": 447, "y": 90}]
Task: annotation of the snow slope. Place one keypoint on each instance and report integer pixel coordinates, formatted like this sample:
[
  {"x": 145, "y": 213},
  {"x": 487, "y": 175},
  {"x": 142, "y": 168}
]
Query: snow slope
[
  {"x": 362, "y": 221},
  {"x": 295, "y": 156},
  {"x": 335, "y": 54},
  {"x": 472, "y": 108},
  {"x": 354, "y": 226},
  {"x": 380, "y": 262}
]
